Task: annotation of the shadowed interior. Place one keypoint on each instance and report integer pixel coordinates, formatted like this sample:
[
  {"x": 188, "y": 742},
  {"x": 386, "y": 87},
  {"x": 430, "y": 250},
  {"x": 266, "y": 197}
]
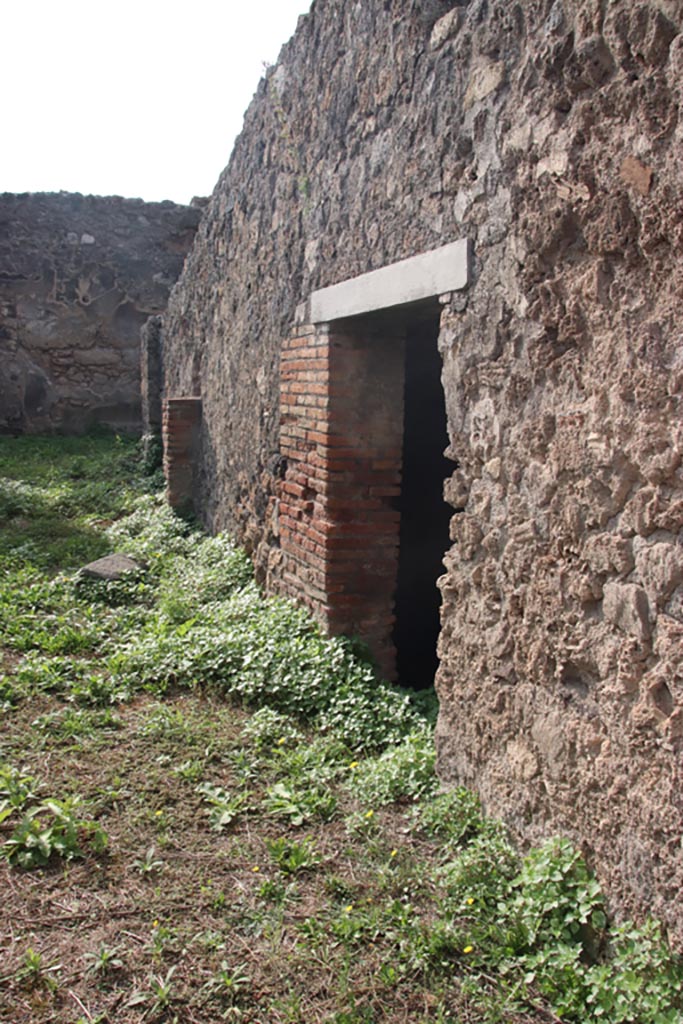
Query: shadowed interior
[{"x": 424, "y": 514}]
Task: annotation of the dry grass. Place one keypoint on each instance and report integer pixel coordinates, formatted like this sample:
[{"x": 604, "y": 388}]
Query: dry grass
[{"x": 215, "y": 901}]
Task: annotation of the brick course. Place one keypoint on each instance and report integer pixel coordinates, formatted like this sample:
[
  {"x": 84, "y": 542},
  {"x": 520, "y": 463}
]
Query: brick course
[
  {"x": 341, "y": 421},
  {"x": 181, "y": 419}
]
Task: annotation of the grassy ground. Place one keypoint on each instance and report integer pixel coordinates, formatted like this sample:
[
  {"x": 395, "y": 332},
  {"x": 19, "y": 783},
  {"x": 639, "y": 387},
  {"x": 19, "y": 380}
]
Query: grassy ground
[{"x": 210, "y": 812}]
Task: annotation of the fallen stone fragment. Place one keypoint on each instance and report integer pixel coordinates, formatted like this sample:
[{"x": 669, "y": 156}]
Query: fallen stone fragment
[{"x": 111, "y": 567}]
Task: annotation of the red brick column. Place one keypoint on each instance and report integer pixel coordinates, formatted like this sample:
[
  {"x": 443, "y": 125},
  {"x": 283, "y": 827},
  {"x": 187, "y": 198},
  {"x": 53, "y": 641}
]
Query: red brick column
[
  {"x": 341, "y": 433},
  {"x": 181, "y": 420},
  {"x": 304, "y": 416}
]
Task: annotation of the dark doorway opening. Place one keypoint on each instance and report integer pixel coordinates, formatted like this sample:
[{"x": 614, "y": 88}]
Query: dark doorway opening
[{"x": 424, "y": 531}]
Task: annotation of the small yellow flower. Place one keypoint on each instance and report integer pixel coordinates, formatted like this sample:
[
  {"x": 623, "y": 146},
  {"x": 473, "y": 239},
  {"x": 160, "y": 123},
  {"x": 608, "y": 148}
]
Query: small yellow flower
[
  {"x": 158, "y": 813},
  {"x": 155, "y": 924},
  {"x": 256, "y": 868},
  {"x": 347, "y": 910},
  {"x": 283, "y": 739},
  {"x": 468, "y": 949},
  {"x": 354, "y": 764},
  {"x": 370, "y": 814},
  {"x": 394, "y": 853},
  {"x": 469, "y": 901}
]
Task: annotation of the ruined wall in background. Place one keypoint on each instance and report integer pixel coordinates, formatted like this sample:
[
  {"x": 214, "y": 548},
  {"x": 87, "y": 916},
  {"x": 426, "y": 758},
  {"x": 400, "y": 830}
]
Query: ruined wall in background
[
  {"x": 549, "y": 133},
  {"x": 79, "y": 275}
]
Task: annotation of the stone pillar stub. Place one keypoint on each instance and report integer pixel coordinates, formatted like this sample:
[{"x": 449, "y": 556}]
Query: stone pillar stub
[
  {"x": 151, "y": 375},
  {"x": 181, "y": 425}
]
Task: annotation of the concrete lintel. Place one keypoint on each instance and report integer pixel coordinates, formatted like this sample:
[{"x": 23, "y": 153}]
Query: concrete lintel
[{"x": 419, "y": 277}]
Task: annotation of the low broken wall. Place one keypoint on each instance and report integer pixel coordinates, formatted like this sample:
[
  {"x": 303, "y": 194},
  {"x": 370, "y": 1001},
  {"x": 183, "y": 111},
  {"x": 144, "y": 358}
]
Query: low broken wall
[
  {"x": 79, "y": 275},
  {"x": 549, "y": 134}
]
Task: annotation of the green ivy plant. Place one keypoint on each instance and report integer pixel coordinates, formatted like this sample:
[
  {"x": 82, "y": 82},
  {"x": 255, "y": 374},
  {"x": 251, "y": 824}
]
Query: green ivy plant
[{"x": 52, "y": 828}]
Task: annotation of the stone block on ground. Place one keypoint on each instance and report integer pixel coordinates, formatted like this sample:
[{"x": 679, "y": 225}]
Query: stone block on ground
[{"x": 111, "y": 567}]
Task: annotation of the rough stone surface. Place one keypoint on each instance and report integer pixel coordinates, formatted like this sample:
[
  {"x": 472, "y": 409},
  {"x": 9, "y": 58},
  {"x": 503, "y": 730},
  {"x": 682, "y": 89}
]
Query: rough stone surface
[
  {"x": 111, "y": 567},
  {"x": 79, "y": 275},
  {"x": 549, "y": 133}
]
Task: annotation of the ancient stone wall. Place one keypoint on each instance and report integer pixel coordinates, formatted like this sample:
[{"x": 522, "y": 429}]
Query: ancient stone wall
[
  {"x": 79, "y": 275},
  {"x": 549, "y": 133}
]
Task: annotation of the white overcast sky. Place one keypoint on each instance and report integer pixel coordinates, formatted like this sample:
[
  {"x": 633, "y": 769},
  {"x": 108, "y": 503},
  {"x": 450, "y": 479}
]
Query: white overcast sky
[{"x": 130, "y": 97}]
